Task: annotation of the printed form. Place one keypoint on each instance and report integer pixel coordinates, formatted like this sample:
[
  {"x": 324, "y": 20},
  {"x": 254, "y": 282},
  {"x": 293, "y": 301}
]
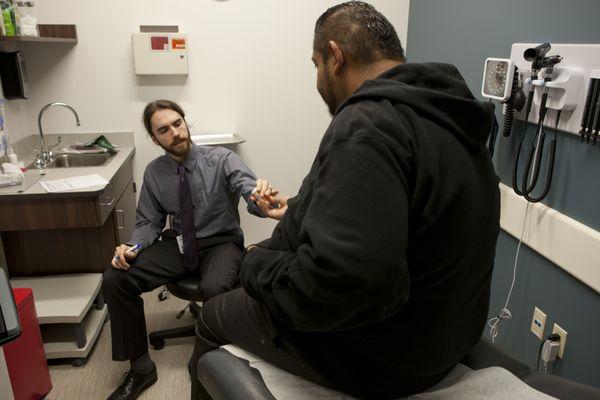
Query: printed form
[{"x": 75, "y": 182}]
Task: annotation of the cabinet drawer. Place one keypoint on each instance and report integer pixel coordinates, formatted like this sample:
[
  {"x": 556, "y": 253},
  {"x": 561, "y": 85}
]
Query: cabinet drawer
[
  {"x": 106, "y": 200},
  {"x": 59, "y": 251},
  {"x": 42, "y": 213}
]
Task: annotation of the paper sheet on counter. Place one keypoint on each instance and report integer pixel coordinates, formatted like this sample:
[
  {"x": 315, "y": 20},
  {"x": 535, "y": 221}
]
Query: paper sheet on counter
[{"x": 75, "y": 182}]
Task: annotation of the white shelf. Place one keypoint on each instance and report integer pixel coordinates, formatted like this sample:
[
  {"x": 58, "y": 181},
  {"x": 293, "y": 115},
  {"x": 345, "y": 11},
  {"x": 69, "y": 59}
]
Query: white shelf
[
  {"x": 61, "y": 299},
  {"x": 59, "y": 339},
  {"x": 217, "y": 139}
]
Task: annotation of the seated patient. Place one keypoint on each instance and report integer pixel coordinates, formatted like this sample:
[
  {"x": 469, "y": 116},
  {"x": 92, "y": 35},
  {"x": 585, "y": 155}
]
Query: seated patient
[
  {"x": 376, "y": 280},
  {"x": 200, "y": 186}
]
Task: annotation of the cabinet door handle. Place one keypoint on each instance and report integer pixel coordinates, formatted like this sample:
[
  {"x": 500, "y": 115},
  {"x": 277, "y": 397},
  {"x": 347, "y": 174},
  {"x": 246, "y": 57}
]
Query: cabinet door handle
[
  {"x": 122, "y": 213},
  {"x": 110, "y": 201}
]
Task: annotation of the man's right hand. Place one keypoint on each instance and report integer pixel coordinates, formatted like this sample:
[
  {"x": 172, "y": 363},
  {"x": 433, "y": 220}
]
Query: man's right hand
[{"x": 122, "y": 255}]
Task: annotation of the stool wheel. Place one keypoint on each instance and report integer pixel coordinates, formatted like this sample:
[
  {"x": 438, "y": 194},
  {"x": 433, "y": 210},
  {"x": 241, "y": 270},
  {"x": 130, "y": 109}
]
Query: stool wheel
[
  {"x": 80, "y": 362},
  {"x": 158, "y": 344},
  {"x": 162, "y": 296}
]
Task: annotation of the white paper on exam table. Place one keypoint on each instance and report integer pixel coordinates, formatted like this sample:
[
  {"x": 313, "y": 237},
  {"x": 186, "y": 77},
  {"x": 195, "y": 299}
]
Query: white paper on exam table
[{"x": 75, "y": 182}]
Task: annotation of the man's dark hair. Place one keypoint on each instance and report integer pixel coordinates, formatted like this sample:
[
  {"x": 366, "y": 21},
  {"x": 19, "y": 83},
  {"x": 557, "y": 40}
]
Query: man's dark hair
[
  {"x": 156, "y": 105},
  {"x": 362, "y": 32}
]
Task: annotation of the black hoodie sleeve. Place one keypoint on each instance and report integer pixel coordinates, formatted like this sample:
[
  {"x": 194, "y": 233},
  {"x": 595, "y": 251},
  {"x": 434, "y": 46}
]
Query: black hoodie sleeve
[{"x": 350, "y": 268}]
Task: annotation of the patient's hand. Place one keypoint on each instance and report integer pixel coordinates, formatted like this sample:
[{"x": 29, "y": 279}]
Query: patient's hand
[{"x": 274, "y": 206}]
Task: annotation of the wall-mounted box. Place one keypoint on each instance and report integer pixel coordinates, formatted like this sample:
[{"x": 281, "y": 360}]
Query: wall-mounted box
[{"x": 157, "y": 53}]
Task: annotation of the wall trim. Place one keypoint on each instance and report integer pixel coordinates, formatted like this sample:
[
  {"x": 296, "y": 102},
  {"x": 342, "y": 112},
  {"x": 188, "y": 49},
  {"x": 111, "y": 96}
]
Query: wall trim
[{"x": 564, "y": 241}]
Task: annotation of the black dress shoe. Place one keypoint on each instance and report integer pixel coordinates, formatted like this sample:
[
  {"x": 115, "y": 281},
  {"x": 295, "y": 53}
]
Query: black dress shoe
[{"x": 133, "y": 384}]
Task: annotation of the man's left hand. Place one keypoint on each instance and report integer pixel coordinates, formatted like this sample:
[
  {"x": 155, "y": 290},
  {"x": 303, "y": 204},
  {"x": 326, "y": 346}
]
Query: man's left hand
[{"x": 263, "y": 190}]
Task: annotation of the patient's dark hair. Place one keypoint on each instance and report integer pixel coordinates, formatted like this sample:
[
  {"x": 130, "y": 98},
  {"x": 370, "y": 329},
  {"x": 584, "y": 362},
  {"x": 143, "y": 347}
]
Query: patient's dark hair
[
  {"x": 156, "y": 105},
  {"x": 360, "y": 30}
]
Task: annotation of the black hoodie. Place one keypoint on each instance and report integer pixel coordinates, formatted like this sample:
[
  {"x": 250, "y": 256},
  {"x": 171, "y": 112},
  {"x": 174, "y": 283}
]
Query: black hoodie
[{"x": 380, "y": 269}]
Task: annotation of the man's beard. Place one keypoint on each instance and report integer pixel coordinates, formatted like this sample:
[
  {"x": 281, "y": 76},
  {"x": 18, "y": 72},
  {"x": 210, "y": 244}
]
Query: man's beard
[
  {"x": 328, "y": 94},
  {"x": 331, "y": 104},
  {"x": 171, "y": 149}
]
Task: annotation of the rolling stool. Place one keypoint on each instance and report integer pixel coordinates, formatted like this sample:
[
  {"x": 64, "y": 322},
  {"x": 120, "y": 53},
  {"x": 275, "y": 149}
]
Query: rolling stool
[{"x": 186, "y": 289}]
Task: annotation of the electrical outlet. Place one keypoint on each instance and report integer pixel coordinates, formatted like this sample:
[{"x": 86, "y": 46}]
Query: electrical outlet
[
  {"x": 563, "y": 339},
  {"x": 538, "y": 323}
]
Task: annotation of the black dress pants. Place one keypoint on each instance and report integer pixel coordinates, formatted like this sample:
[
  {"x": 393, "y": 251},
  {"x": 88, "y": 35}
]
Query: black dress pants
[
  {"x": 154, "y": 266},
  {"x": 235, "y": 317}
]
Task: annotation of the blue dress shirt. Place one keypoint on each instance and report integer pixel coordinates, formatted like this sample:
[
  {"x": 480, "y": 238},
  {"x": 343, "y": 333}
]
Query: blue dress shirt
[{"x": 217, "y": 176}]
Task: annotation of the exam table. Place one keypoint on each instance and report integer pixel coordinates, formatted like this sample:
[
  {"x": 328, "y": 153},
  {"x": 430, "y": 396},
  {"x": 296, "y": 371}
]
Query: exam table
[{"x": 487, "y": 372}]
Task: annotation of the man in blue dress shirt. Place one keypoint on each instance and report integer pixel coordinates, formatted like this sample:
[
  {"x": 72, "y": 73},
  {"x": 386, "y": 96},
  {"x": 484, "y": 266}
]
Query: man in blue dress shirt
[{"x": 214, "y": 178}]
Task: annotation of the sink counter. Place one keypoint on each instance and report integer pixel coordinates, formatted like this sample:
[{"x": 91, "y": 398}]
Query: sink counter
[
  {"x": 107, "y": 171},
  {"x": 124, "y": 154}
]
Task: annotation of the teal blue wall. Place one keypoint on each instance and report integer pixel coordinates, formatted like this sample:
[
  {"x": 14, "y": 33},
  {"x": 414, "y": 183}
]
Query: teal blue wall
[{"x": 465, "y": 33}]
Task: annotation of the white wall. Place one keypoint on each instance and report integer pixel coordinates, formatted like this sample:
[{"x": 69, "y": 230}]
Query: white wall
[{"x": 249, "y": 72}]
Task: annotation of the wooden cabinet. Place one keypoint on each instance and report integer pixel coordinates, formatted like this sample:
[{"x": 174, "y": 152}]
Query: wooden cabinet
[
  {"x": 67, "y": 233},
  {"x": 64, "y": 210}
]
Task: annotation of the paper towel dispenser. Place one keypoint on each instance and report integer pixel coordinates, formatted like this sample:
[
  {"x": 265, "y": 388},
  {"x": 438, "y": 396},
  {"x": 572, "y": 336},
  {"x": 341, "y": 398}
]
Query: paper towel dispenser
[{"x": 13, "y": 73}]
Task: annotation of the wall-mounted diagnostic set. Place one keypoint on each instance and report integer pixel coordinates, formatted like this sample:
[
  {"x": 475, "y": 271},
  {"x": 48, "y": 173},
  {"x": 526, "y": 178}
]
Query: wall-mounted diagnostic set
[{"x": 561, "y": 78}]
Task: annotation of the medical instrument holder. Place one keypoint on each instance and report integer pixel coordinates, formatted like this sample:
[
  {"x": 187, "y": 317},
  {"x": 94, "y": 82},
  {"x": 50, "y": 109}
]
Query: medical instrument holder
[
  {"x": 569, "y": 87},
  {"x": 564, "y": 90}
]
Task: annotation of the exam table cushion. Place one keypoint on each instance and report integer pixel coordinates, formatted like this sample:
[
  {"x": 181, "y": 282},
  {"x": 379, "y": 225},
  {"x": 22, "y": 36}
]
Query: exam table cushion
[{"x": 251, "y": 377}]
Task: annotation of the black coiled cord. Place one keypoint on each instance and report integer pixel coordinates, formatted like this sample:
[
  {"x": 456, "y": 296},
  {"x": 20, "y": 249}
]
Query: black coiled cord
[{"x": 509, "y": 111}]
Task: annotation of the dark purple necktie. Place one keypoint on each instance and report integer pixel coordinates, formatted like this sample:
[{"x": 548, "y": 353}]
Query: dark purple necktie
[{"x": 188, "y": 228}]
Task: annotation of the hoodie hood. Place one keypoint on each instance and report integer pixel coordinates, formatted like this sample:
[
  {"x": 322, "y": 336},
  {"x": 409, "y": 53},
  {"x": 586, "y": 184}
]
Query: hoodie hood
[{"x": 436, "y": 92}]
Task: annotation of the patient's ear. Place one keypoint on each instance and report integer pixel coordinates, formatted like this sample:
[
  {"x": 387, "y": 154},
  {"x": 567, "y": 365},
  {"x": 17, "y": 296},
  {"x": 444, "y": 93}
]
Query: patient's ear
[
  {"x": 337, "y": 55},
  {"x": 154, "y": 140}
]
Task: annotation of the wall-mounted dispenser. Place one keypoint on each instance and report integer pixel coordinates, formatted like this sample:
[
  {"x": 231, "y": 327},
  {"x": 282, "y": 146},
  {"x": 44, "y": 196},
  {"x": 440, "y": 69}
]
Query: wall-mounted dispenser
[
  {"x": 160, "y": 50},
  {"x": 13, "y": 74}
]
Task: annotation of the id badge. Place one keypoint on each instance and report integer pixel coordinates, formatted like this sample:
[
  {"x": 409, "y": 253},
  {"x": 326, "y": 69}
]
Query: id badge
[{"x": 180, "y": 243}]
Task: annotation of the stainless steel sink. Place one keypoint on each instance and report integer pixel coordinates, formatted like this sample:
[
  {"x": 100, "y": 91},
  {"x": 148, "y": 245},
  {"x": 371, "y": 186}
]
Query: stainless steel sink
[{"x": 78, "y": 160}]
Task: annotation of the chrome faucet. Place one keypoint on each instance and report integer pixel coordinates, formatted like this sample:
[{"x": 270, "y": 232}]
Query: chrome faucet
[{"x": 46, "y": 155}]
